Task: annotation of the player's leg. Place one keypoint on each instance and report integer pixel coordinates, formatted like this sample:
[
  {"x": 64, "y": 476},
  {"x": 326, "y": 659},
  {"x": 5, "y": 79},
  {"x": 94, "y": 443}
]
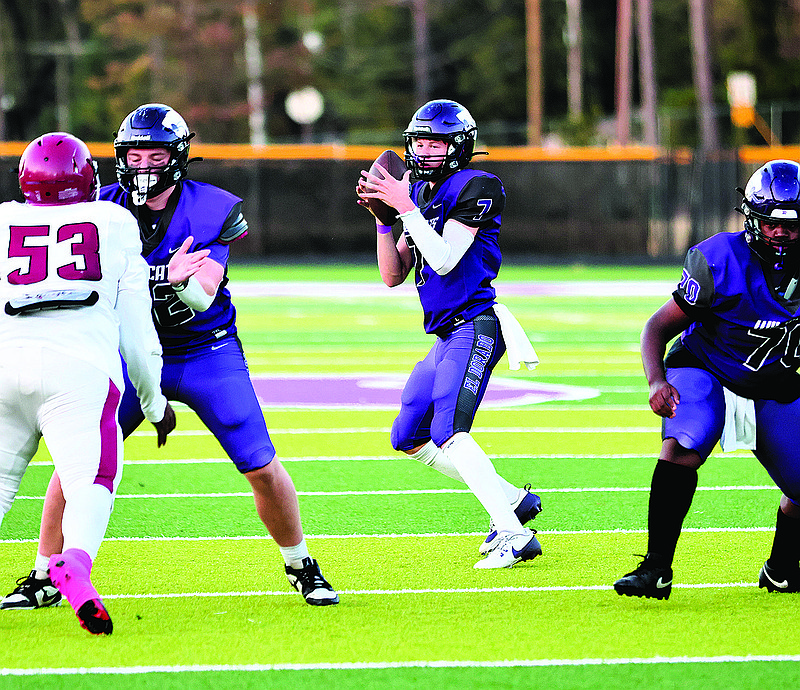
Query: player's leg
[
  {"x": 80, "y": 427},
  {"x": 689, "y": 438},
  {"x": 19, "y": 440},
  {"x": 411, "y": 431},
  {"x": 778, "y": 437},
  {"x": 36, "y": 589},
  {"x": 18, "y": 444},
  {"x": 217, "y": 386},
  {"x": 464, "y": 364}
]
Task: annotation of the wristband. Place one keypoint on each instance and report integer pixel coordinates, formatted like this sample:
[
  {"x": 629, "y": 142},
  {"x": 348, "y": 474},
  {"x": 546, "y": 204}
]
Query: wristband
[
  {"x": 192, "y": 294},
  {"x": 383, "y": 229}
]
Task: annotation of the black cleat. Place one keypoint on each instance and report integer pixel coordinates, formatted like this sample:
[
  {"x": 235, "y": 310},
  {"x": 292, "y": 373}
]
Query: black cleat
[
  {"x": 648, "y": 580},
  {"x": 309, "y": 581},
  {"x": 786, "y": 581},
  {"x": 32, "y": 593},
  {"x": 92, "y": 616}
]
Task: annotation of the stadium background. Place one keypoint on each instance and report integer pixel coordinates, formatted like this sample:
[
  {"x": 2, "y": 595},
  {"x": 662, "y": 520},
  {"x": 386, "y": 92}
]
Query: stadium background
[{"x": 616, "y": 203}]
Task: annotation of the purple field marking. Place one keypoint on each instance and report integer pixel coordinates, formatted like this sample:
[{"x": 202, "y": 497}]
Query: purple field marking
[{"x": 382, "y": 391}]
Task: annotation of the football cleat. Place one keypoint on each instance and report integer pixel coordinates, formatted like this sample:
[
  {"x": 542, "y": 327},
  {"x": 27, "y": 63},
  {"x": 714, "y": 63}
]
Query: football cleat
[
  {"x": 648, "y": 580},
  {"x": 32, "y": 593},
  {"x": 309, "y": 581},
  {"x": 70, "y": 571},
  {"x": 526, "y": 507},
  {"x": 512, "y": 549},
  {"x": 779, "y": 581},
  {"x": 92, "y": 616}
]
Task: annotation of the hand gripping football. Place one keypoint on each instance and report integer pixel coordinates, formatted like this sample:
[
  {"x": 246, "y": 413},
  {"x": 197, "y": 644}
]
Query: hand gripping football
[{"x": 397, "y": 168}]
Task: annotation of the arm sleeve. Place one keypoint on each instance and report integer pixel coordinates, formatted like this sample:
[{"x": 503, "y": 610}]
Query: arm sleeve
[
  {"x": 442, "y": 252},
  {"x": 139, "y": 344}
]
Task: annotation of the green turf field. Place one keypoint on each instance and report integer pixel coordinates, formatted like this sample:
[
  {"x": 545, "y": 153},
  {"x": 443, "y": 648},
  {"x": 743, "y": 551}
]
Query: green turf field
[{"x": 197, "y": 592}]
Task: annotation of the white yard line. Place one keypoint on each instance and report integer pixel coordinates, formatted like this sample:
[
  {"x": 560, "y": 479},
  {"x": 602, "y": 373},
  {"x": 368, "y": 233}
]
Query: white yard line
[
  {"x": 373, "y": 665},
  {"x": 418, "y": 492},
  {"x": 428, "y": 535}
]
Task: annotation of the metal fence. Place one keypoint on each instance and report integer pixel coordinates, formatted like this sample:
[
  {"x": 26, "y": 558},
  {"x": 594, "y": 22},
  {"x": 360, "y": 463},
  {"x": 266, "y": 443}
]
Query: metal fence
[{"x": 611, "y": 208}]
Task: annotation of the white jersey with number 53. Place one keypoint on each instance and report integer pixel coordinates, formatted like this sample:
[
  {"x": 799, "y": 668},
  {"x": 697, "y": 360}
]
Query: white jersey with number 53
[{"x": 72, "y": 277}]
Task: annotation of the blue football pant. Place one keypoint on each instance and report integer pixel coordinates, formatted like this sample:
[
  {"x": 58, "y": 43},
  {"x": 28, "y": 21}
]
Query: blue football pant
[
  {"x": 700, "y": 417},
  {"x": 444, "y": 390},
  {"x": 215, "y": 383}
]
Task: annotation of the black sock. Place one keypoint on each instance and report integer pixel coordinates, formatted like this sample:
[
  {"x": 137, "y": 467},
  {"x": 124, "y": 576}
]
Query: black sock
[
  {"x": 671, "y": 493},
  {"x": 786, "y": 543}
]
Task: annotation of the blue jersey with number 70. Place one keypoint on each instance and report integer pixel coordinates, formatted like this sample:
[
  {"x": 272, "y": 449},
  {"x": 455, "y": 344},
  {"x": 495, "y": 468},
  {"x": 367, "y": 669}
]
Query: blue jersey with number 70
[{"x": 744, "y": 332}]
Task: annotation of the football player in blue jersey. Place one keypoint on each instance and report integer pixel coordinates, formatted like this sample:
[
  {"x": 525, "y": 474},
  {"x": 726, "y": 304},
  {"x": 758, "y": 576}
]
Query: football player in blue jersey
[
  {"x": 731, "y": 376},
  {"x": 186, "y": 229},
  {"x": 451, "y": 218}
]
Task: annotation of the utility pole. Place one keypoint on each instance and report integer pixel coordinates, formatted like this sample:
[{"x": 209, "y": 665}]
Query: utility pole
[
  {"x": 533, "y": 45},
  {"x": 647, "y": 79},
  {"x": 257, "y": 115},
  {"x": 574, "y": 40},
  {"x": 623, "y": 70},
  {"x": 709, "y": 133},
  {"x": 422, "y": 51}
]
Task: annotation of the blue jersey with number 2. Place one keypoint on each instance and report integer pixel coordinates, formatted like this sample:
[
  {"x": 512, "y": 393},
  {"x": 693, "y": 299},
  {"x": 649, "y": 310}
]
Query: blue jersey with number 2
[{"x": 201, "y": 212}]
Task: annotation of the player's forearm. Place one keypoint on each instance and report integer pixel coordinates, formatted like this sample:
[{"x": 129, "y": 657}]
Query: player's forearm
[
  {"x": 200, "y": 290},
  {"x": 392, "y": 264},
  {"x": 141, "y": 351},
  {"x": 653, "y": 360}
]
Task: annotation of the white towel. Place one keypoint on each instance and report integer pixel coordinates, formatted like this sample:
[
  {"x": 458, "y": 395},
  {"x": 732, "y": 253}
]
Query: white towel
[
  {"x": 739, "y": 431},
  {"x": 518, "y": 346}
]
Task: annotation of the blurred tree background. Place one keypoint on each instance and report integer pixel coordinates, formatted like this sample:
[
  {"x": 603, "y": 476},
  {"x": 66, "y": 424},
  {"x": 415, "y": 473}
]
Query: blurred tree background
[{"x": 82, "y": 65}]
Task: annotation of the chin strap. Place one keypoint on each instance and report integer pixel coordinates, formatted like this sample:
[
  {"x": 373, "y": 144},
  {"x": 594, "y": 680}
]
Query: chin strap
[{"x": 792, "y": 286}]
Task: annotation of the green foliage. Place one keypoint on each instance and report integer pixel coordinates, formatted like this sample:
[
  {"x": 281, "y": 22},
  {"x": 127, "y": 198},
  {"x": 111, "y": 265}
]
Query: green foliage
[{"x": 190, "y": 55}]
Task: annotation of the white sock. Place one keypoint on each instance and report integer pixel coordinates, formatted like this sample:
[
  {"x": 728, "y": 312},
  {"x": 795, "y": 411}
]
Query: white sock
[
  {"x": 293, "y": 555},
  {"x": 480, "y": 476},
  {"x": 86, "y": 516},
  {"x": 40, "y": 565},
  {"x": 431, "y": 455}
]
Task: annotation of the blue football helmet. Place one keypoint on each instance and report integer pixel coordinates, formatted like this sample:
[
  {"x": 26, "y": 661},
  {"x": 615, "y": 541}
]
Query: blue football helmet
[
  {"x": 443, "y": 120},
  {"x": 152, "y": 126},
  {"x": 772, "y": 196}
]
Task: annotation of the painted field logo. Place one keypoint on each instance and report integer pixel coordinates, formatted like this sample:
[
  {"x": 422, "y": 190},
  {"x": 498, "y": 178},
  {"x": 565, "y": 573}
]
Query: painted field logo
[{"x": 383, "y": 391}]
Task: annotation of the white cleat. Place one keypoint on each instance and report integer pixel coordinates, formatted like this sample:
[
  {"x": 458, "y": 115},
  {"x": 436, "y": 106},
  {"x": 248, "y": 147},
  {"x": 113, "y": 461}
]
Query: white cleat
[
  {"x": 526, "y": 506},
  {"x": 512, "y": 549}
]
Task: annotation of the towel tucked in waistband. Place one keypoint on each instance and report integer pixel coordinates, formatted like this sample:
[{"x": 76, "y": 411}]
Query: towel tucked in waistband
[{"x": 518, "y": 346}]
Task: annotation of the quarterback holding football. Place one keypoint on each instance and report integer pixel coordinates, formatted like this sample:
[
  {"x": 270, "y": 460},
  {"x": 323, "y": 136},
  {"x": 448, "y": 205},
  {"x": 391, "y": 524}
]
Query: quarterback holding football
[{"x": 451, "y": 218}]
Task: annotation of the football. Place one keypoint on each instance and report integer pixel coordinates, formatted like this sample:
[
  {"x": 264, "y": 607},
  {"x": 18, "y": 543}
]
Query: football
[{"x": 396, "y": 167}]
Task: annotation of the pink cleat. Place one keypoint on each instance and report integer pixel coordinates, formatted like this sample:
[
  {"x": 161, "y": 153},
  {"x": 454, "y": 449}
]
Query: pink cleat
[{"x": 69, "y": 571}]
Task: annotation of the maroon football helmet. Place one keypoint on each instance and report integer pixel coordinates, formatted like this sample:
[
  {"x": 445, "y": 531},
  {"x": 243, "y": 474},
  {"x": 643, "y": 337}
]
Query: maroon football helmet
[{"x": 57, "y": 168}]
